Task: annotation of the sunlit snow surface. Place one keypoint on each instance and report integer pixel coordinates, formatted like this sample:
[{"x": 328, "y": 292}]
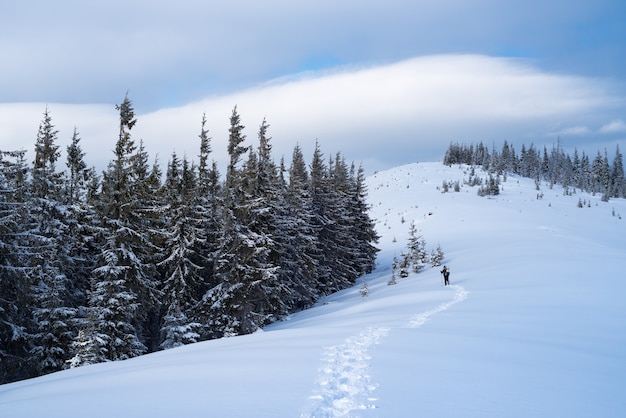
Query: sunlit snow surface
[{"x": 533, "y": 325}]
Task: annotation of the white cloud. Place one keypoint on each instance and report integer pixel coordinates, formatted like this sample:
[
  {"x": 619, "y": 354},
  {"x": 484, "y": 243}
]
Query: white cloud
[
  {"x": 616, "y": 126},
  {"x": 168, "y": 55},
  {"x": 381, "y": 115}
]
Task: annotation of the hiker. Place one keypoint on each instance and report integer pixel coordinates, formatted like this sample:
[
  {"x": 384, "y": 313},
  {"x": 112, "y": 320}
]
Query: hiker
[{"x": 446, "y": 275}]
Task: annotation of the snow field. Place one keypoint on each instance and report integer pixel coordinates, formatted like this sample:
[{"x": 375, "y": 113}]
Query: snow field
[{"x": 540, "y": 332}]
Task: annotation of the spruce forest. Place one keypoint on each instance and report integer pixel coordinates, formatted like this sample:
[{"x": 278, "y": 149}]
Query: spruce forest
[
  {"x": 106, "y": 267},
  {"x": 555, "y": 167}
]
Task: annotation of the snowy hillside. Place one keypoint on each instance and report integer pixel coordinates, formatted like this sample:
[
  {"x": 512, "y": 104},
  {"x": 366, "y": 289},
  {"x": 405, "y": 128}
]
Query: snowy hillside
[{"x": 534, "y": 325}]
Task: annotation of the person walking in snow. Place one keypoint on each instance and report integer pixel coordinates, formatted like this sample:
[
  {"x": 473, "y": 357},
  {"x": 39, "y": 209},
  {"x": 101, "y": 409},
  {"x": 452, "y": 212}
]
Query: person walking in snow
[{"x": 446, "y": 275}]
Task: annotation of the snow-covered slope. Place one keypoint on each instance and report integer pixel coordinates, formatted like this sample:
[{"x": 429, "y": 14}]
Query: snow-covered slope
[{"x": 534, "y": 324}]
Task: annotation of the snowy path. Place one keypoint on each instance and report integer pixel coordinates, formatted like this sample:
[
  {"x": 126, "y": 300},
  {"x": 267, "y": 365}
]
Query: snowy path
[
  {"x": 344, "y": 384},
  {"x": 419, "y": 319}
]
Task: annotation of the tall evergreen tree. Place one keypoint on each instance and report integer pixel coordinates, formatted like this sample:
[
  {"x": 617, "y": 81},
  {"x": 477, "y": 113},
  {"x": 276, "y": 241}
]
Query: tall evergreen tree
[
  {"x": 222, "y": 305},
  {"x": 319, "y": 189},
  {"x": 209, "y": 201},
  {"x": 585, "y": 172},
  {"x": 79, "y": 175},
  {"x": 181, "y": 267},
  {"x": 265, "y": 200},
  {"x": 244, "y": 298},
  {"x": 363, "y": 226},
  {"x": 417, "y": 256},
  {"x": 46, "y": 233},
  {"x": 124, "y": 287},
  {"x": 297, "y": 239},
  {"x": 329, "y": 193},
  {"x": 15, "y": 317},
  {"x": 113, "y": 307},
  {"x": 600, "y": 174},
  {"x": 618, "y": 184},
  {"x": 81, "y": 220}
]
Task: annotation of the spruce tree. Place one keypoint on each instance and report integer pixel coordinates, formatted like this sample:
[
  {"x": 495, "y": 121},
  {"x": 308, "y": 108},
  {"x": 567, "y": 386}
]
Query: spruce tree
[
  {"x": 181, "y": 270},
  {"x": 113, "y": 308},
  {"x": 81, "y": 220},
  {"x": 297, "y": 239},
  {"x": 363, "y": 226},
  {"x": 15, "y": 316},
  {"x": 248, "y": 293},
  {"x": 320, "y": 189},
  {"x": 332, "y": 221},
  {"x": 437, "y": 256},
  {"x": 224, "y": 306},
  {"x": 416, "y": 246},
  {"x": 618, "y": 184},
  {"x": 266, "y": 193},
  {"x": 46, "y": 234},
  {"x": 123, "y": 284},
  {"x": 209, "y": 203},
  {"x": 79, "y": 174},
  {"x": 600, "y": 175}
]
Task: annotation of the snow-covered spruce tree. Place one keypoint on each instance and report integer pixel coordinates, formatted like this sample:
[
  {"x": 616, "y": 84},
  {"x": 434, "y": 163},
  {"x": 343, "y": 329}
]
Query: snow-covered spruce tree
[
  {"x": 363, "y": 226},
  {"x": 264, "y": 186},
  {"x": 46, "y": 235},
  {"x": 225, "y": 306},
  {"x": 345, "y": 231},
  {"x": 181, "y": 265},
  {"x": 394, "y": 269},
  {"x": 209, "y": 204},
  {"x": 344, "y": 196},
  {"x": 124, "y": 286},
  {"x": 576, "y": 175},
  {"x": 150, "y": 221},
  {"x": 618, "y": 183},
  {"x": 492, "y": 188},
  {"x": 332, "y": 273},
  {"x": 87, "y": 347},
  {"x": 585, "y": 172},
  {"x": 507, "y": 159},
  {"x": 331, "y": 222},
  {"x": 260, "y": 291},
  {"x": 53, "y": 319},
  {"x": 600, "y": 174},
  {"x": 416, "y": 256},
  {"x": 15, "y": 317},
  {"x": 79, "y": 175},
  {"x": 364, "y": 289},
  {"x": 437, "y": 256},
  {"x": 81, "y": 221},
  {"x": 113, "y": 309},
  {"x": 297, "y": 237},
  {"x": 404, "y": 264}
]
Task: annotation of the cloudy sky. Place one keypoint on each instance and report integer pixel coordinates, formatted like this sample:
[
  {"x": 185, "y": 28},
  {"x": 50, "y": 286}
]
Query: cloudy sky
[{"x": 384, "y": 82}]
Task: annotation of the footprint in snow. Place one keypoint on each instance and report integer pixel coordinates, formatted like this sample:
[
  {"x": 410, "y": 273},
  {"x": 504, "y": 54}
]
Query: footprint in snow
[{"x": 344, "y": 384}]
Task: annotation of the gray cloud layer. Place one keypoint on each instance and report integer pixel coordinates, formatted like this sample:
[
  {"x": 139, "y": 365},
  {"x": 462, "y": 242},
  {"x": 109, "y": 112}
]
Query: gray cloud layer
[
  {"x": 380, "y": 115},
  {"x": 170, "y": 53}
]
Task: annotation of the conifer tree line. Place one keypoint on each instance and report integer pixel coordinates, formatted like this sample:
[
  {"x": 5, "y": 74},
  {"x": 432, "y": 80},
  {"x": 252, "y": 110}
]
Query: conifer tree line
[
  {"x": 105, "y": 267},
  {"x": 594, "y": 175}
]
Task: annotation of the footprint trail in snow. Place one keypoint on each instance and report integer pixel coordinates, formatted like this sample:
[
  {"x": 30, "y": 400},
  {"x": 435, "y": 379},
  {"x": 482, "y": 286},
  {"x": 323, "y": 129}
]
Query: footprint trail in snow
[
  {"x": 419, "y": 319},
  {"x": 344, "y": 384}
]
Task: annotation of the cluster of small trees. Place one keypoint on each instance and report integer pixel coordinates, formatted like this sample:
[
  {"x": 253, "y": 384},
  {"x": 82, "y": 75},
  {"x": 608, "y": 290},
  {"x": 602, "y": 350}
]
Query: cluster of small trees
[
  {"x": 106, "y": 267},
  {"x": 553, "y": 166},
  {"x": 416, "y": 257}
]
